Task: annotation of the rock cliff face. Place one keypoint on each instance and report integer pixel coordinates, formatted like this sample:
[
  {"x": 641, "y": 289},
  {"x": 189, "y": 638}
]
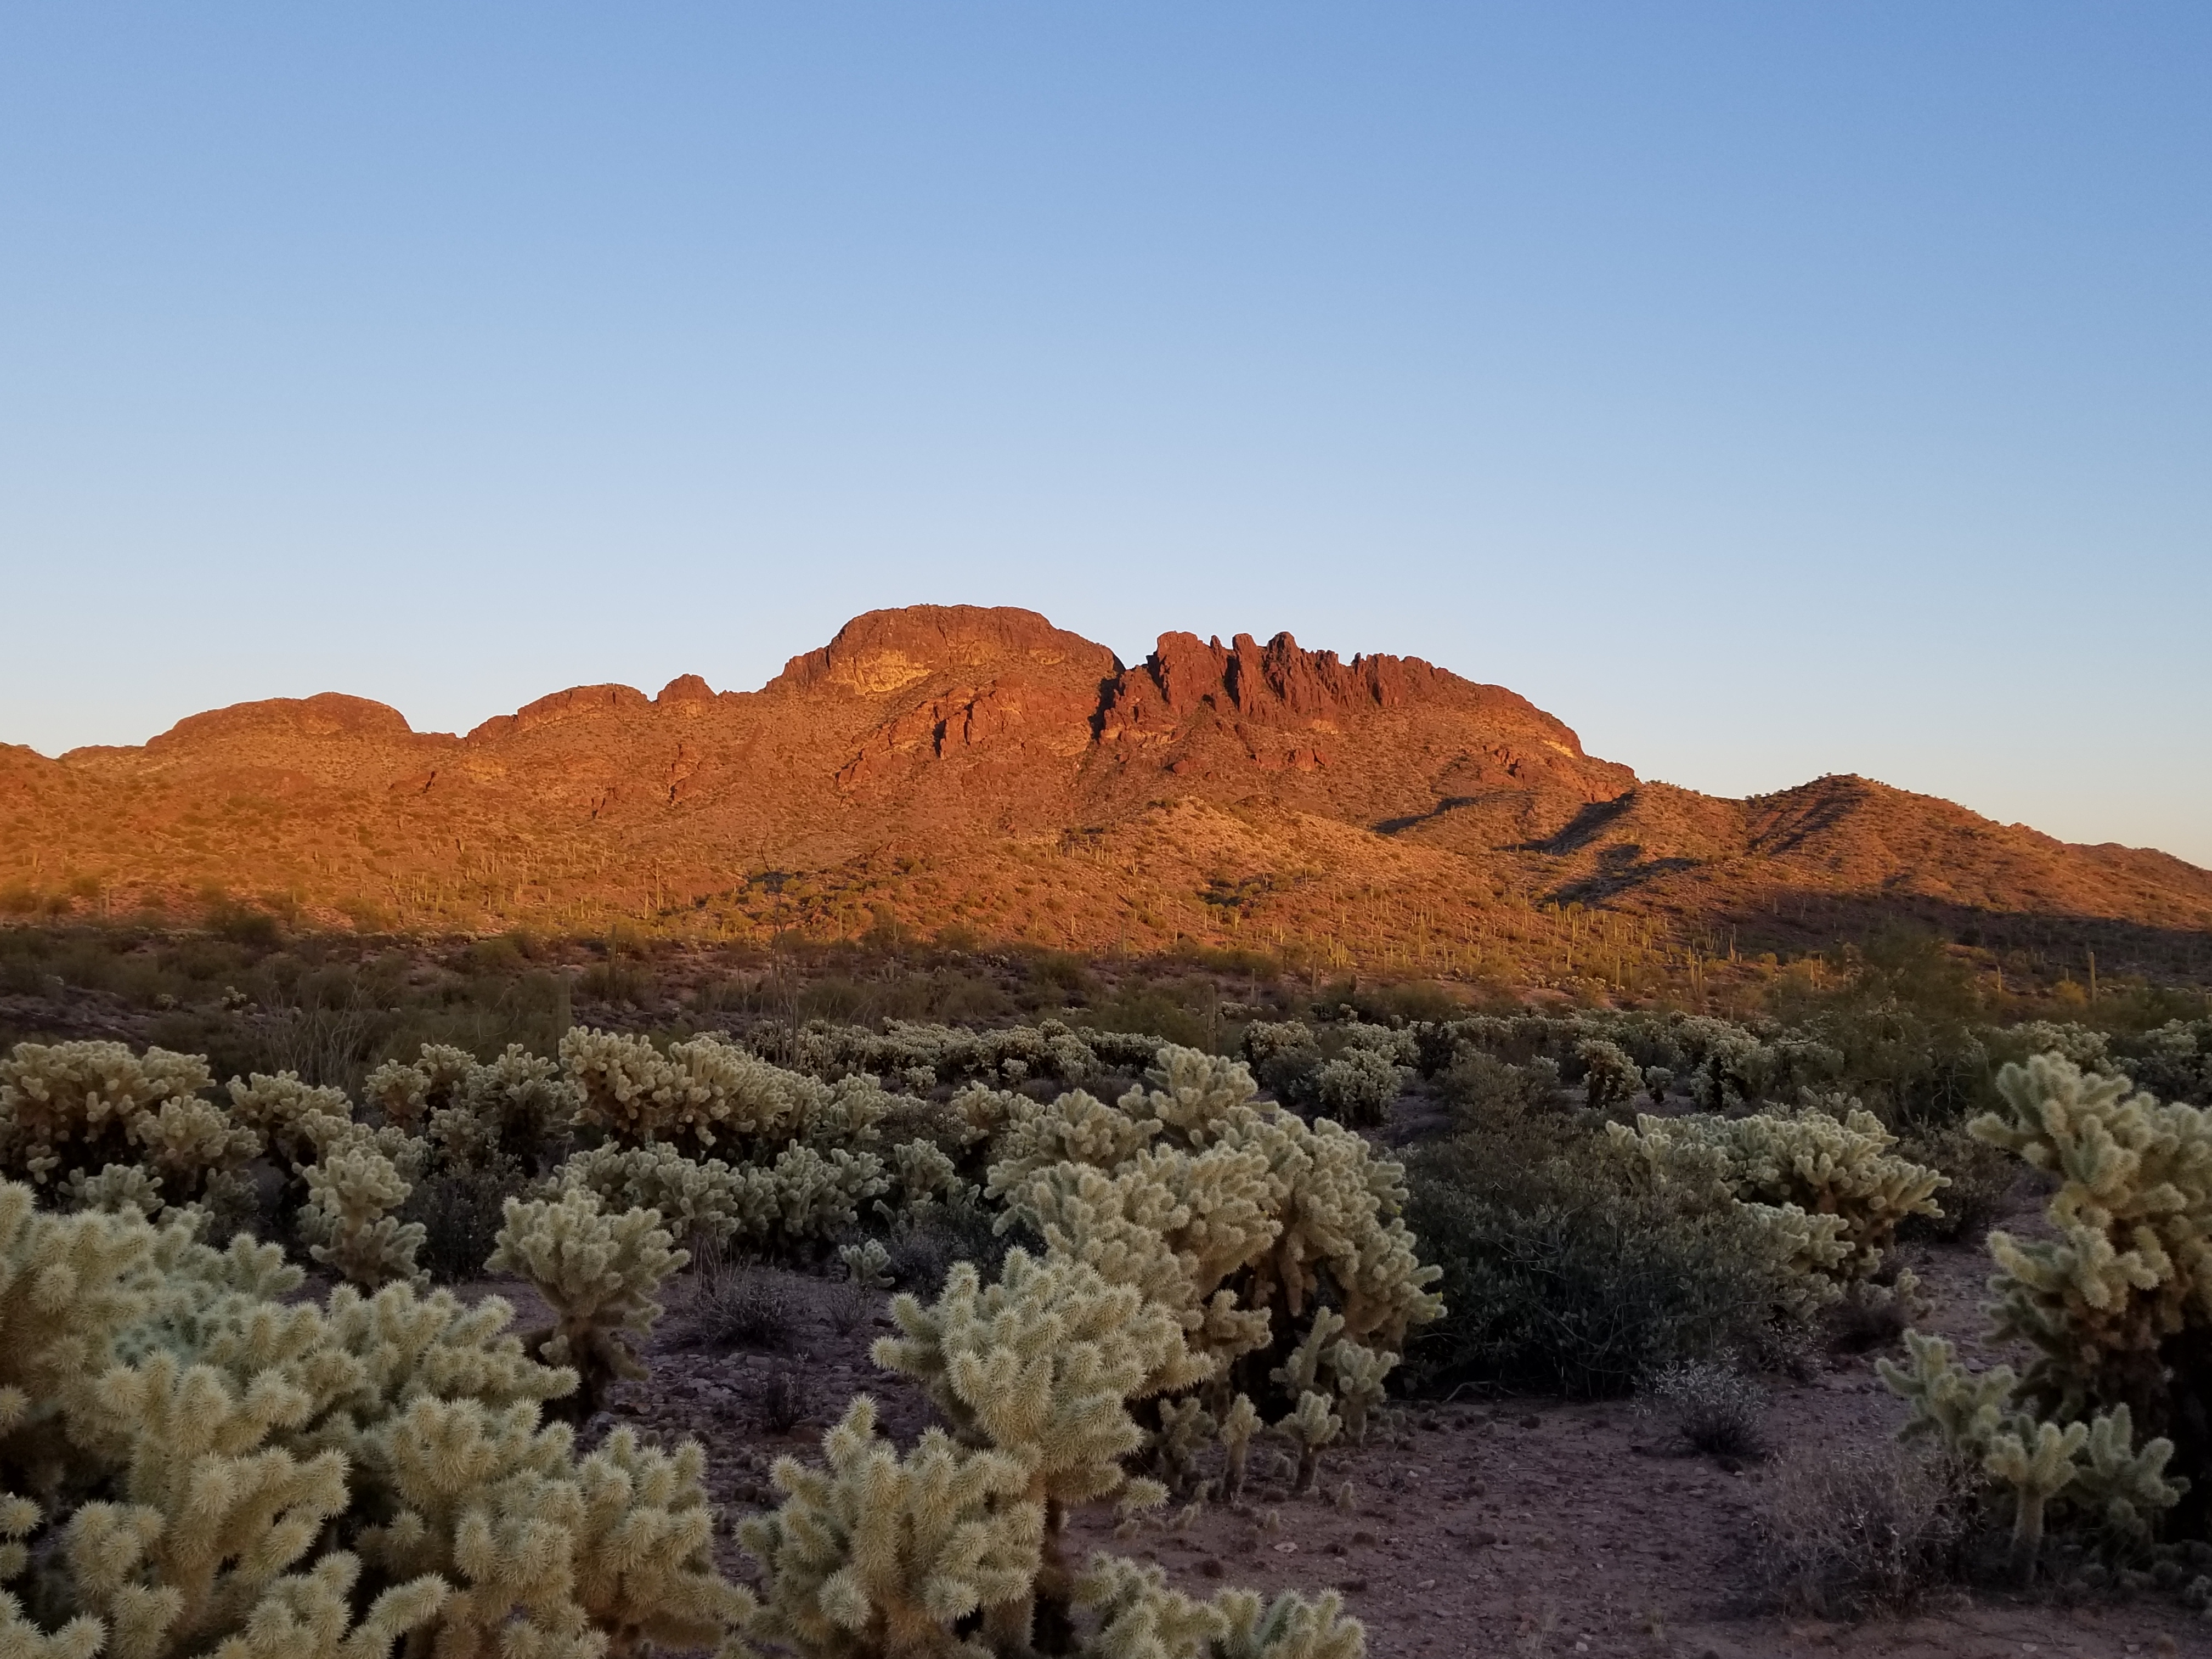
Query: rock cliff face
[{"x": 943, "y": 735}]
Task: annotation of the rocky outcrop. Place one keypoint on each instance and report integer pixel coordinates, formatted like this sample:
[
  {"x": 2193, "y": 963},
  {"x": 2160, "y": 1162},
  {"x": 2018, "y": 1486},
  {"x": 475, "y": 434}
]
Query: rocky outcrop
[{"x": 945, "y": 729}]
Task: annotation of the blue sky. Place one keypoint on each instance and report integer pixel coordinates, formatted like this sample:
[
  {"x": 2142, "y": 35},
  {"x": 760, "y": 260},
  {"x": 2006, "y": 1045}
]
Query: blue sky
[{"x": 1767, "y": 391}]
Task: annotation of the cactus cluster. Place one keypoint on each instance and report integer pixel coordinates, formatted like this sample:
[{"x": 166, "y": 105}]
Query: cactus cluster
[
  {"x": 1824, "y": 1175},
  {"x": 195, "y": 1464},
  {"x": 2116, "y": 1304}
]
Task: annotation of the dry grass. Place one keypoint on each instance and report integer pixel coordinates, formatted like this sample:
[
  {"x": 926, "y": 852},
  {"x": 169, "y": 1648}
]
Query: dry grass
[{"x": 1861, "y": 1531}]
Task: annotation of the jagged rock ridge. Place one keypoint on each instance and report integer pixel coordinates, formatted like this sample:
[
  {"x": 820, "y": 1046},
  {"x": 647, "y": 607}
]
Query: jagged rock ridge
[{"x": 932, "y": 734}]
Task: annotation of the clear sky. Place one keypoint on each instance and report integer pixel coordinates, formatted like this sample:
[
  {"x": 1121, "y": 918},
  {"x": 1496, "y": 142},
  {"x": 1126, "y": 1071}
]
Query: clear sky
[{"x": 1766, "y": 390}]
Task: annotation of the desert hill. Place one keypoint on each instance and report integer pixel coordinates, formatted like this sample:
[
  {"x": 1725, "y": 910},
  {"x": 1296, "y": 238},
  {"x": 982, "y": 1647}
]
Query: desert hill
[{"x": 957, "y": 765}]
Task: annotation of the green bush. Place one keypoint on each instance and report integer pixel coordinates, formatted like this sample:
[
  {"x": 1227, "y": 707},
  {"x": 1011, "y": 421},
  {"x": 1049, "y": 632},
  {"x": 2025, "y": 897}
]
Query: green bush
[{"x": 1568, "y": 1271}]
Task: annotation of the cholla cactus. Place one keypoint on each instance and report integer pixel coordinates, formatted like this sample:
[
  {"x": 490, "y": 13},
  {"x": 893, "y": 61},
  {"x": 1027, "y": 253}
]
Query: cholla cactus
[
  {"x": 1238, "y": 1424},
  {"x": 867, "y": 1263},
  {"x": 878, "y": 1554},
  {"x": 645, "y": 1550},
  {"x": 1040, "y": 1364},
  {"x": 2129, "y": 1271},
  {"x": 284, "y": 1111},
  {"x": 1810, "y": 1160},
  {"x": 1171, "y": 1225},
  {"x": 1301, "y": 1372},
  {"x": 1186, "y": 1429},
  {"x": 698, "y": 1095},
  {"x": 1610, "y": 1075},
  {"x": 1358, "y": 1374},
  {"x": 407, "y": 1090},
  {"x": 67, "y": 1106},
  {"x": 818, "y": 1196},
  {"x": 116, "y": 1189},
  {"x": 1311, "y": 1427},
  {"x": 1074, "y": 1129},
  {"x": 926, "y": 1173},
  {"x": 599, "y": 1272},
  {"x": 1139, "y": 1614},
  {"x": 2093, "y": 1465},
  {"x": 985, "y": 1113},
  {"x": 273, "y": 1480},
  {"x": 1358, "y": 1085},
  {"x": 187, "y": 1140},
  {"x": 514, "y": 1107},
  {"x": 349, "y": 1222},
  {"x": 707, "y": 1202}
]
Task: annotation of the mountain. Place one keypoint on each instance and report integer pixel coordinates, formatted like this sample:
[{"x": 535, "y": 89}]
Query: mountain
[{"x": 978, "y": 767}]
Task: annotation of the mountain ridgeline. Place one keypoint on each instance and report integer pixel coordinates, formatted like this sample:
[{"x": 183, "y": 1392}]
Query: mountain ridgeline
[{"x": 959, "y": 767}]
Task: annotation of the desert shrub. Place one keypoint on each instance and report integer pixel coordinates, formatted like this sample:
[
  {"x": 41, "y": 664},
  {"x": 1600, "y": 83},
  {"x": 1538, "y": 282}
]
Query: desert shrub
[
  {"x": 1982, "y": 1177},
  {"x": 849, "y": 1303},
  {"x": 1869, "y": 1315},
  {"x": 1481, "y": 1090},
  {"x": 783, "y": 1400},
  {"x": 1710, "y": 1406},
  {"x": 733, "y": 1305},
  {"x": 2173, "y": 1061},
  {"x": 1284, "y": 1056},
  {"x": 617, "y": 981},
  {"x": 1851, "y": 1532},
  {"x": 461, "y": 1212},
  {"x": 1568, "y": 1269}
]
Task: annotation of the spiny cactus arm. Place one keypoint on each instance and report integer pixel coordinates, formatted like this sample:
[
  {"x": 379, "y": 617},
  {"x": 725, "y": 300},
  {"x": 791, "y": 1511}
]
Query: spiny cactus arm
[
  {"x": 70, "y": 1286},
  {"x": 1186, "y": 1428},
  {"x": 2035, "y": 1463},
  {"x": 116, "y": 1188},
  {"x": 1076, "y": 1128},
  {"x": 1238, "y": 1424},
  {"x": 1312, "y": 1427},
  {"x": 82, "y": 1638},
  {"x": 867, "y": 1263},
  {"x": 277, "y": 1108},
  {"x": 1301, "y": 1372},
  {"x": 1192, "y": 1094},
  {"x": 2122, "y": 1488},
  {"x": 925, "y": 1172},
  {"x": 1359, "y": 1375},
  {"x": 407, "y": 1345},
  {"x": 214, "y": 1513},
  {"x": 1139, "y": 1617},
  {"x": 405, "y": 1091},
  {"x": 487, "y": 1500},
  {"x": 187, "y": 1139},
  {"x": 1965, "y": 1411}
]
